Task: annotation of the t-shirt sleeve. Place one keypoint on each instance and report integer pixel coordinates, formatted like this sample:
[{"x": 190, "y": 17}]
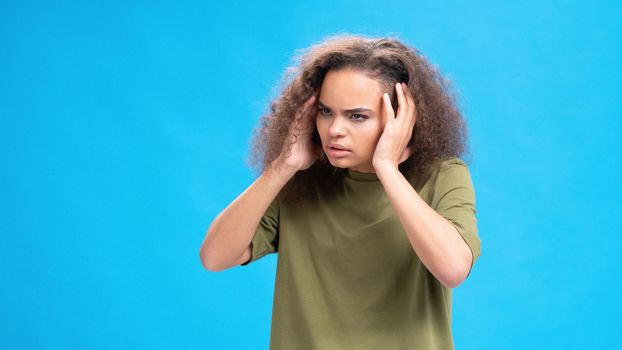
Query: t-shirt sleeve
[
  {"x": 454, "y": 199},
  {"x": 266, "y": 237}
]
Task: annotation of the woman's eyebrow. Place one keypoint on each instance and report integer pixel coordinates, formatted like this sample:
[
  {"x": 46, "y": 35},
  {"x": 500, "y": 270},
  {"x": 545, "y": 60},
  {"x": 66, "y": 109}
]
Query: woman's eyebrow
[{"x": 353, "y": 110}]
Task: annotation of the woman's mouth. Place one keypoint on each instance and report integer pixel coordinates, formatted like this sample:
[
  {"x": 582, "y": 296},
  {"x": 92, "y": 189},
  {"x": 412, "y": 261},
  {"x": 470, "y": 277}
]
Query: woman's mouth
[{"x": 337, "y": 153}]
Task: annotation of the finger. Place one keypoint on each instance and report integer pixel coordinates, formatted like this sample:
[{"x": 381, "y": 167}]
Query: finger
[
  {"x": 408, "y": 96},
  {"x": 388, "y": 108},
  {"x": 301, "y": 121},
  {"x": 409, "y": 101},
  {"x": 309, "y": 100},
  {"x": 412, "y": 110},
  {"x": 311, "y": 115},
  {"x": 401, "y": 101},
  {"x": 405, "y": 111},
  {"x": 305, "y": 106}
]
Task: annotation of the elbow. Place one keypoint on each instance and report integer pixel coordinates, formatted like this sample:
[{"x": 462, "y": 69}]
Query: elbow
[
  {"x": 453, "y": 281},
  {"x": 458, "y": 271},
  {"x": 207, "y": 260},
  {"x": 455, "y": 277},
  {"x": 207, "y": 263}
]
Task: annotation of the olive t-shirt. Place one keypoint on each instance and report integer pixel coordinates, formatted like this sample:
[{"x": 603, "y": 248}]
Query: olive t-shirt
[{"x": 347, "y": 276}]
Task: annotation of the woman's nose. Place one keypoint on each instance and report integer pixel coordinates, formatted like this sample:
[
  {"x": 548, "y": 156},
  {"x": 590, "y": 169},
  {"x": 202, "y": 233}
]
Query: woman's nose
[{"x": 336, "y": 127}]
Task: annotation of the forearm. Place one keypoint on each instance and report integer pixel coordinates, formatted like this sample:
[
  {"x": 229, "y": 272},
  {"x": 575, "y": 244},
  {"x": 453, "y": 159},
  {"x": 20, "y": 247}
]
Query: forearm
[
  {"x": 435, "y": 240},
  {"x": 232, "y": 230}
]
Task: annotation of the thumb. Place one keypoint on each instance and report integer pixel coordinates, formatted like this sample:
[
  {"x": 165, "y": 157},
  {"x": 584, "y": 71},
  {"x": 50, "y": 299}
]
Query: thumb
[{"x": 405, "y": 154}]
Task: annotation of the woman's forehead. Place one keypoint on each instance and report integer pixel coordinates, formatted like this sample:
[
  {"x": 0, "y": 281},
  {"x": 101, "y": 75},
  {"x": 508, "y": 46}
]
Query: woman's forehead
[{"x": 348, "y": 89}]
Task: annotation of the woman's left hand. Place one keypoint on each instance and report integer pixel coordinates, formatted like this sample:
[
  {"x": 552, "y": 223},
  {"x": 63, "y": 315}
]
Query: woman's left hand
[{"x": 392, "y": 148}]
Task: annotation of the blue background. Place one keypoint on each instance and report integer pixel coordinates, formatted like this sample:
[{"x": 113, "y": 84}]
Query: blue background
[{"x": 125, "y": 127}]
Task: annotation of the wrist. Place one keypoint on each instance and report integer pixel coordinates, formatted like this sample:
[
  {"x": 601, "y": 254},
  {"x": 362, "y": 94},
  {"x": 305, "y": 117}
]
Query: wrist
[
  {"x": 384, "y": 166},
  {"x": 386, "y": 170},
  {"x": 282, "y": 168}
]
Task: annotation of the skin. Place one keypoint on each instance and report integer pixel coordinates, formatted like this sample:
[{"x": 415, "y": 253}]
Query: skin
[
  {"x": 378, "y": 144},
  {"x": 358, "y": 132}
]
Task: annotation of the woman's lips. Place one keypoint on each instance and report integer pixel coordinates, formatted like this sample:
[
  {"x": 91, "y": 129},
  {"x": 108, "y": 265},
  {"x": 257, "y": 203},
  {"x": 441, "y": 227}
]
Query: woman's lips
[{"x": 338, "y": 153}]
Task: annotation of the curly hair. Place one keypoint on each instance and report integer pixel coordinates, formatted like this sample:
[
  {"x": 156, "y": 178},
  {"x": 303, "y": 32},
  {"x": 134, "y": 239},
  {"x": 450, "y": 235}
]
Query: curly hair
[{"x": 439, "y": 133}]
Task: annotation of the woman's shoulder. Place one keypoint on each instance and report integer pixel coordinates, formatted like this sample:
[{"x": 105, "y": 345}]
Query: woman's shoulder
[
  {"x": 451, "y": 167},
  {"x": 446, "y": 164},
  {"x": 440, "y": 168},
  {"x": 449, "y": 161},
  {"x": 451, "y": 171}
]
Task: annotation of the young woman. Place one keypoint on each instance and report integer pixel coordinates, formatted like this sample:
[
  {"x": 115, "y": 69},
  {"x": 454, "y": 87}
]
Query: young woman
[{"x": 365, "y": 198}]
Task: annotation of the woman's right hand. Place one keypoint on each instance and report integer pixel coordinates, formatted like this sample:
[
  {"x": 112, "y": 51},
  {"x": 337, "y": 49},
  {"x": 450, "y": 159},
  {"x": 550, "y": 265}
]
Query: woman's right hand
[{"x": 303, "y": 152}]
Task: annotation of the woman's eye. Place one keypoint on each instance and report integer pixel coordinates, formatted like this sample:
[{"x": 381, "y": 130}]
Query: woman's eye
[{"x": 357, "y": 117}]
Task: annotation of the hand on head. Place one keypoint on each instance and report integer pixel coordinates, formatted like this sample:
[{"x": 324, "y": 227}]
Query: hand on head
[
  {"x": 392, "y": 148},
  {"x": 303, "y": 152}
]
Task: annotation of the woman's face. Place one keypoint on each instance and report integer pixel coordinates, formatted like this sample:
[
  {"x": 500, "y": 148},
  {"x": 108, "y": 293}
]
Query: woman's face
[{"x": 350, "y": 117}]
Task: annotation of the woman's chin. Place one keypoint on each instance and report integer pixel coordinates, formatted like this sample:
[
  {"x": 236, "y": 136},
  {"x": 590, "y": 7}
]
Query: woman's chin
[{"x": 338, "y": 163}]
